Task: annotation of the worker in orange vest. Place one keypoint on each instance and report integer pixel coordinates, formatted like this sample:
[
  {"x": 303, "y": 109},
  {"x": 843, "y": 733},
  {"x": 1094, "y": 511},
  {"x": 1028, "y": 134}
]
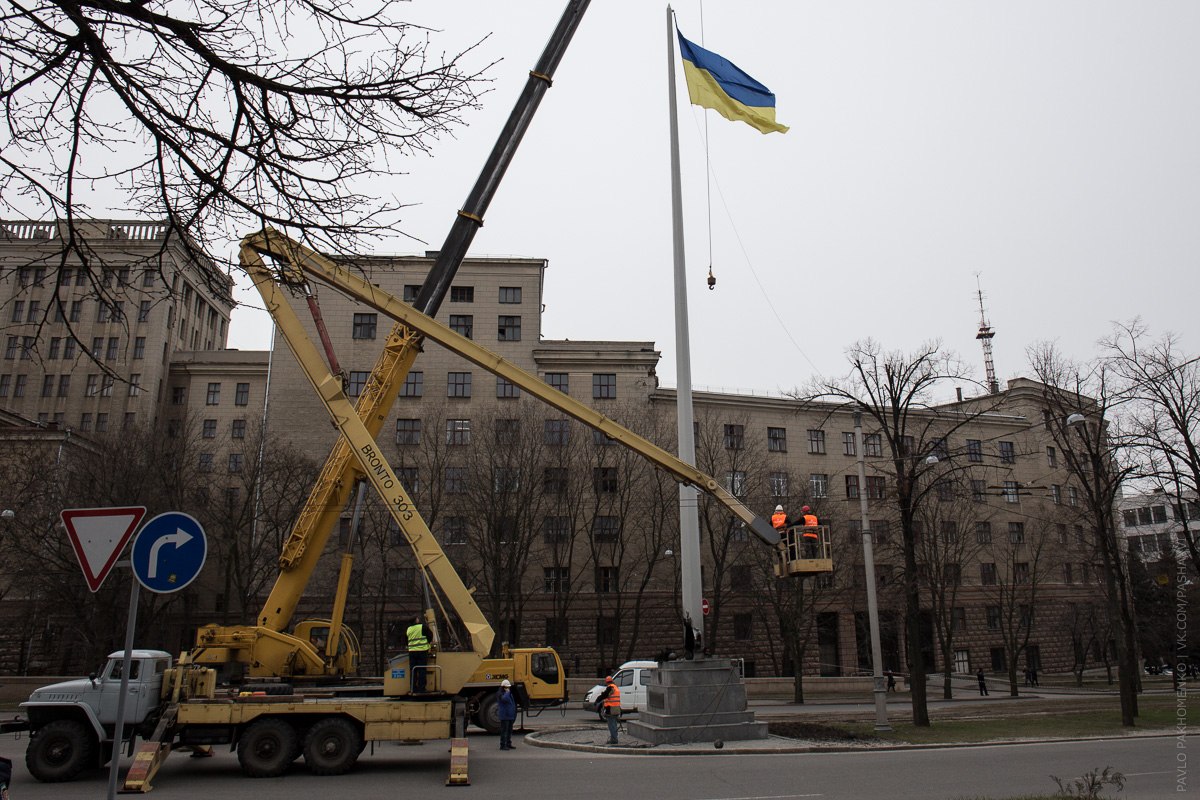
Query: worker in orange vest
[
  {"x": 612, "y": 707},
  {"x": 811, "y": 533},
  {"x": 779, "y": 519}
]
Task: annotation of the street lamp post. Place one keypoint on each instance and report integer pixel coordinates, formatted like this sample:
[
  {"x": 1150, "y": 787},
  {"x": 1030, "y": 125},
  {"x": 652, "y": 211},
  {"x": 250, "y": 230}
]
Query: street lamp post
[{"x": 880, "y": 691}]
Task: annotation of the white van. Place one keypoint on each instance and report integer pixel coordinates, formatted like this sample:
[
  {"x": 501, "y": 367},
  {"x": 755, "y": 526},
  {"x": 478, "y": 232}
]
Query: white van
[{"x": 631, "y": 678}]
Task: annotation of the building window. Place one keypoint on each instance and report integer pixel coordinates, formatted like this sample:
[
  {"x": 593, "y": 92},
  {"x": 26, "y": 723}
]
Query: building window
[
  {"x": 18, "y": 311},
  {"x": 85, "y": 423},
  {"x": 456, "y": 480},
  {"x": 47, "y": 386},
  {"x": 458, "y": 431},
  {"x": 873, "y": 445},
  {"x": 975, "y": 451},
  {"x": 178, "y": 395},
  {"x": 604, "y": 386},
  {"x": 411, "y": 290},
  {"x": 1072, "y": 496},
  {"x": 554, "y": 481},
  {"x": 414, "y": 385},
  {"x": 556, "y": 530},
  {"x": 135, "y": 385},
  {"x": 944, "y": 490},
  {"x": 983, "y": 532},
  {"x": 28, "y": 344},
  {"x": 601, "y": 439},
  {"x": 510, "y": 295},
  {"x": 735, "y": 483},
  {"x": 607, "y": 631},
  {"x": 958, "y": 619},
  {"x": 506, "y": 389},
  {"x": 460, "y": 294},
  {"x": 1056, "y": 494},
  {"x": 816, "y": 442},
  {"x": 106, "y": 385},
  {"x": 605, "y": 480},
  {"x": 776, "y": 440},
  {"x": 102, "y": 422},
  {"x": 993, "y": 618},
  {"x": 779, "y": 484},
  {"x": 35, "y": 308},
  {"x": 607, "y": 579},
  {"x": 1011, "y": 492},
  {"x": 10, "y": 349},
  {"x": 410, "y": 478},
  {"x": 114, "y": 348},
  {"x": 987, "y": 573},
  {"x": 734, "y": 437},
  {"x": 408, "y": 431},
  {"x": 948, "y": 529},
  {"x": 76, "y": 308},
  {"x": 1068, "y": 576},
  {"x": 1051, "y": 457},
  {"x": 1007, "y": 453},
  {"x": 978, "y": 490},
  {"x": 19, "y": 387},
  {"x": 208, "y": 429},
  {"x": 848, "y": 445},
  {"x": 356, "y": 383},
  {"x": 241, "y": 396},
  {"x": 876, "y": 486},
  {"x": 743, "y": 627},
  {"x": 214, "y": 395},
  {"x": 1021, "y": 572},
  {"x": 506, "y": 430},
  {"x": 508, "y": 329},
  {"x": 206, "y": 462},
  {"x": 364, "y": 326},
  {"x": 458, "y": 384},
  {"x": 462, "y": 324},
  {"x": 851, "y": 487},
  {"x": 5, "y": 385},
  {"x": 556, "y": 580},
  {"x": 93, "y": 384},
  {"x": 559, "y": 380},
  {"x": 238, "y": 429},
  {"x": 556, "y": 432},
  {"x": 605, "y": 529}
]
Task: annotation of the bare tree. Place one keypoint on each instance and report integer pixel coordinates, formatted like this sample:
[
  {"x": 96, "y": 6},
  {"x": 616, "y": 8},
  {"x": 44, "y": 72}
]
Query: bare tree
[
  {"x": 1018, "y": 569},
  {"x": 218, "y": 117}
]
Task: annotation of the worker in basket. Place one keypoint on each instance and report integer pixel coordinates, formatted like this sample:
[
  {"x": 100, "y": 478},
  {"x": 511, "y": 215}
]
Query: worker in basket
[{"x": 811, "y": 534}]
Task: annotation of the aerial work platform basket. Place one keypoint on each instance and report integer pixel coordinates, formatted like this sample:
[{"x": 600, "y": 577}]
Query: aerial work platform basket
[{"x": 803, "y": 550}]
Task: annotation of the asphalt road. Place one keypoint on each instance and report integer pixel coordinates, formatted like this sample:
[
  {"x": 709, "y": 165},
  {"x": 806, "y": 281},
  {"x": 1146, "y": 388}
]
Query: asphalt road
[{"x": 419, "y": 771}]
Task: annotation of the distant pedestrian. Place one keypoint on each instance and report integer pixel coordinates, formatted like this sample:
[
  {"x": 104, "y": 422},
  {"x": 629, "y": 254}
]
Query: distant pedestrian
[
  {"x": 891, "y": 684},
  {"x": 983, "y": 690},
  {"x": 506, "y": 707},
  {"x": 1033, "y": 681}
]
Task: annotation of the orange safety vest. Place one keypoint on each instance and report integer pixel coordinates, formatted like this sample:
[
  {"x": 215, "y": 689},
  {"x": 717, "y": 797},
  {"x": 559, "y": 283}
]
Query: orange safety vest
[
  {"x": 614, "y": 697},
  {"x": 810, "y": 521},
  {"x": 778, "y": 520}
]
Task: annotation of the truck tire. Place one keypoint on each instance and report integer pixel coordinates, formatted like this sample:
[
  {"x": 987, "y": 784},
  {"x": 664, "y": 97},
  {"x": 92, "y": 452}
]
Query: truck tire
[
  {"x": 265, "y": 748},
  {"x": 272, "y": 689},
  {"x": 60, "y": 750},
  {"x": 332, "y": 746},
  {"x": 488, "y": 716}
]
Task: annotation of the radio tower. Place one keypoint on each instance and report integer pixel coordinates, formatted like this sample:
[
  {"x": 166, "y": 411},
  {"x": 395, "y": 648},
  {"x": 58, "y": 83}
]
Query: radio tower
[{"x": 985, "y": 335}]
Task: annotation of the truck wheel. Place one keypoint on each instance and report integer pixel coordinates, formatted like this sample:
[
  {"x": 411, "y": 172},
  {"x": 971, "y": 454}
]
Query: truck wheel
[
  {"x": 59, "y": 750},
  {"x": 272, "y": 689},
  {"x": 488, "y": 716},
  {"x": 332, "y": 746},
  {"x": 265, "y": 748}
]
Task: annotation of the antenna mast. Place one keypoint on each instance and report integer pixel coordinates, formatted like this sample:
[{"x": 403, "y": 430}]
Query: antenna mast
[{"x": 985, "y": 335}]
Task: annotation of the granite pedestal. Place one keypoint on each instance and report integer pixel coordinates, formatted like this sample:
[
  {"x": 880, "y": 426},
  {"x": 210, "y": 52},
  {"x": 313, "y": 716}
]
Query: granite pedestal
[{"x": 696, "y": 701}]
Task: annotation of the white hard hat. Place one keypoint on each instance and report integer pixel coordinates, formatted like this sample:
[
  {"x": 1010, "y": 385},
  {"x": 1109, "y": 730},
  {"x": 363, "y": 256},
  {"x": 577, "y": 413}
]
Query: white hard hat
[
  {"x": 778, "y": 509},
  {"x": 505, "y": 683}
]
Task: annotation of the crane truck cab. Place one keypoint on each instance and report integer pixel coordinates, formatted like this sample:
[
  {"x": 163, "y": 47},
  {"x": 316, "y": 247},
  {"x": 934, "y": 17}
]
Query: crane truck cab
[{"x": 73, "y": 723}]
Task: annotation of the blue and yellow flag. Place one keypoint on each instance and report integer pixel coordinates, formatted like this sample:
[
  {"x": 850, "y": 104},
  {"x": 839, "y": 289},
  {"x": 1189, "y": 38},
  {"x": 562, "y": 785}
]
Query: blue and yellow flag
[{"x": 717, "y": 83}]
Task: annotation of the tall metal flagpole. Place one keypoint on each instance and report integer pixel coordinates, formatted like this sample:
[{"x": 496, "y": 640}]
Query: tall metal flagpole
[{"x": 689, "y": 517}]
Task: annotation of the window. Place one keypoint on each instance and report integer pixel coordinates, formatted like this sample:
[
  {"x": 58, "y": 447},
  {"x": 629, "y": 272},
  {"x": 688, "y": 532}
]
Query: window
[
  {"x": 206, "y": 462},
  {"x": 106, "y": 385},
  {"x": 993, "y": 618},
  {"x": 1007, "y": 453},
  {"x": 28, "y": 343},
  {"x": 462, "y": 324},
  {"x": 143, "y": 311},
  {"x": 944, "y": 490},
  {"x": 605, "y": 529},
  {"x": 554, "y": 480},
  {"x": 364, "y": 326},
  {"x": 408, "y": 431},
  {"x": 876, "y": 486},
  {"x": 147, "y": 278},
  {"x": 556, "y": 432},
  {"x": 69, "y": 350},
  {"x": 873, "y": 444},
  {"x": 410, "y": 478},
  {"x": 1051, "y": 457},
  {"x": 958, "y": 619},
  {"x": 776, "y": 440},
  {"x": 848, "y": 445},
  {"x": 1072, "y": 496},
  {"x": 739, "y": 578},
  {"x": 102, "y": 312},
  {"x": 47, "y": 386},
  {"x": 506, "y": 389},
  {"x": 983, "y": 532},
  {"x": 743, "y": 627},
  {"x": 851, "y": 487},
  {"x": 242, "y": 395},
  {"x": 458, "y": 431},
  {"x": 507, "y": 430},
  {"x": 461, "y": 294},
  {"x": 604, "y": 386},
  {"x": 85, "y": 422},
  {"x": 5, "y": 384},
  {"x": 940, "y": 449},
  {"x": 510, "y": 295},
  {"x": 93, "y": 385},
  {"x": 76, "y": 310},
  {"x": 139, "y": 348},
  {"x": 102, "y": 422},
  {"x": 1068, "y": 577},
  {"x": 1061, "y": 530},
  {"x": 734, "y": 437},
  {"x": 356, "y": 383},
  {"x": 114, "y": 347},
  {"x": 948, "y": 530},
  {"x": 987, "y": 573},
  {"x": 556, "y": 530},
  {"x": 35, "y": 309},
  {"x": 559, "y": 380},
  {"x": 126, "y": 422},
  {"x": 607, "y": 631},
  {"x": 135, "y": 385},
  {"x": 414, "y": 385},
  {"x": 10, "y": 349},
  {"x": 1016, "y": 532},
  {"x": 607, "y": 579},
  {"x": 816, "y": 442},
  {"x": 601, "y": 439},
  {"x": 605, "y": 480},
  {"x": 978, "y": 490},
  {"x": 735, "y": 483},
  {"x": 779, "y": 484},
  {"x": 178, "y": 395},
  {"x": 458, "y": 384},
  {"x": 19, "y": 388},
  {"x": 508, "y": 329},
  {"x": 235, "y": 462},
  {"x": 411, "y": 290},
  {"x": 975, "y": 451},
  {"x": 18, "y": 311},
  {"x": 214, "y": 395},
  {"x": 456, "y": 480},
  {"x": 1056, "y": 494},
  {"x": 1021, "y": 572},
  {"x": 238, "y": 429},
  {"x": 556, "y": 579},
  {"x": 1011, "y": 491}
]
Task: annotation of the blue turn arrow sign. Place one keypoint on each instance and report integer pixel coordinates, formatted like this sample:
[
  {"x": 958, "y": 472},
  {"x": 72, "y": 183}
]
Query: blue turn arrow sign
[{"x": 169, "y": 552}]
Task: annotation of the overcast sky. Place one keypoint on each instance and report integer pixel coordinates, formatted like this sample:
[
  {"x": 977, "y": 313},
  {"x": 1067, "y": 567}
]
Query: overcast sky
[{"x": 1052, "y": 148}]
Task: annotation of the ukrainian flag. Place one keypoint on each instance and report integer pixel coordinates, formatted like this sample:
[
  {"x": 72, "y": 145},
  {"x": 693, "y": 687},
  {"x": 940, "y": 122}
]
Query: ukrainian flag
[{"x": 717, "y": 83}]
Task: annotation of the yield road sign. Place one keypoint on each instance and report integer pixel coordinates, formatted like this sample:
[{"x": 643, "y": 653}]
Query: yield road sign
[
  {"x": 169, "y": 552},
  {"x": 98, "y": 536}
]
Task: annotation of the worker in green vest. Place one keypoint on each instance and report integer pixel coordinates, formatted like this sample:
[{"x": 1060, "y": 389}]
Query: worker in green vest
[{"x": 419, "y": 639}]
